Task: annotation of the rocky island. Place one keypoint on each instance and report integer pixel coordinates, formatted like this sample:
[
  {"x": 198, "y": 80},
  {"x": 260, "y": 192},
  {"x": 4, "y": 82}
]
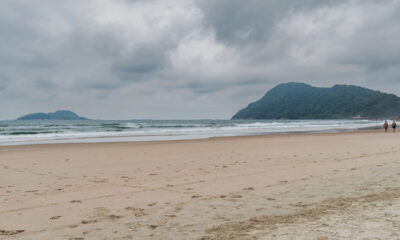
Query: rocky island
[{"x": 58, "y": 115}]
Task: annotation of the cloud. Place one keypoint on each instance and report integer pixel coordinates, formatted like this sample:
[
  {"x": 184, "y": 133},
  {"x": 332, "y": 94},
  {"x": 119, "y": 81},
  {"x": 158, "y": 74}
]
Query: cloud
[
  {"x": 187, "y": 58},
  {"x": 255, "y": 21}
]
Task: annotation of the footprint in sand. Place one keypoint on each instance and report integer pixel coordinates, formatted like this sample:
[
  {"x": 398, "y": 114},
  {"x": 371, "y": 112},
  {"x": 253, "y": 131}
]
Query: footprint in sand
[
  {"x": 153, "y": 226},
  {"x": 101, "y": 180},
  {"x": 10, "y": 232},
  {"x": 235, "y": 196},
  {"x": 138, "y": 212},
  {"x": 113, "y": 217},
  {"x": 99, "y": 213},
  {"x": 89, "y": 221},
  {"x": 31, "y": 191}
]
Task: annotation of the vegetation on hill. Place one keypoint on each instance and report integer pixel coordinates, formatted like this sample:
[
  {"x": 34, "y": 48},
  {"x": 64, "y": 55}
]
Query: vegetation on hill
[
  {"x": 303, "y": 101},
  {"x": 58, "y": 115}
]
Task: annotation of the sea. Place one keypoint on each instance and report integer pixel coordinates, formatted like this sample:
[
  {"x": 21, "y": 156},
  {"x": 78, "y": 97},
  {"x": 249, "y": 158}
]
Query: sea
[{"x": 78, "y": 131}]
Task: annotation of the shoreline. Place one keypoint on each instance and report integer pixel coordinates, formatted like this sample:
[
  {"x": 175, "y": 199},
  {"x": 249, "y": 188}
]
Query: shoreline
[{"x": 123, "y": 139}]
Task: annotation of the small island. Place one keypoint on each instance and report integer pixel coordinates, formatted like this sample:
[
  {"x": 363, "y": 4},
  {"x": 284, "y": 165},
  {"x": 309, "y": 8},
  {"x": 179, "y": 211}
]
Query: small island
[
  {"x": 303, "y": 101},
  {"x": 58, "y": 115}
]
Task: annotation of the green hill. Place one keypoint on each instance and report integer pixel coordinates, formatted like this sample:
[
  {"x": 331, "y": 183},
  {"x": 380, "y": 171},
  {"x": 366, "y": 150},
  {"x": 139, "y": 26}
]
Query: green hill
[
  {"x": 58, "y": 115},
  {"x": 303, "y": 101}
]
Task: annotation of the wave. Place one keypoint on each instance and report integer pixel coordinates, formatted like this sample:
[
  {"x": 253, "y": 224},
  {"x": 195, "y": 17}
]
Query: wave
[
  {"x": 28, "y": 133},
  {"x": 12, "y": 132}
]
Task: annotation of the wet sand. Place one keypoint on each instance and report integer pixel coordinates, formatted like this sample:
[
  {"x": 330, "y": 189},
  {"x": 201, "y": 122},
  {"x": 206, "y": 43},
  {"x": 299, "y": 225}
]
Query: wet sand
[{"x": 294, "y": 186}]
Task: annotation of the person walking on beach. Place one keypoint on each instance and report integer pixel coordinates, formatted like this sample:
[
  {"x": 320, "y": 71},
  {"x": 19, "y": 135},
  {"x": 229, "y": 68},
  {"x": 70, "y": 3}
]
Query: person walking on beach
[
  {"x": 386, "y": 126},
  {"x": 394, "y": 126}
]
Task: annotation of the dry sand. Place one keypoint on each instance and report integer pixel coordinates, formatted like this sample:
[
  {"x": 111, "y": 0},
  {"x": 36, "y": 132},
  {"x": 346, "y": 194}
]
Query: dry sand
[{"x": 300, "y": 186}]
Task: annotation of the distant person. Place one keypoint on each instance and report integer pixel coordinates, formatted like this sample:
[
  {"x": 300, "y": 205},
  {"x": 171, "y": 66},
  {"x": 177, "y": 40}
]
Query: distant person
[
  {"x": 386, "y": 126},
  {"x": 394, "y": 126}
]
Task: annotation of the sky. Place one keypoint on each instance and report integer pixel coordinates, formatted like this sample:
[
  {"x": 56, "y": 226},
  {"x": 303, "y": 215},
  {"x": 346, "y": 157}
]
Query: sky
[{"x": 187, "y": 59}]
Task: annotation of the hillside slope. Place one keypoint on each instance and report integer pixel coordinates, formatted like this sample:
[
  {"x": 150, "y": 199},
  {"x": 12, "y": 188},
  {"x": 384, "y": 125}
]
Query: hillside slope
[{"x": 303, "y": 101}]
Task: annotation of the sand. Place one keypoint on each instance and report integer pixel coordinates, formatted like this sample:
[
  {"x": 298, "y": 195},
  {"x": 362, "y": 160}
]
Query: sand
[{"x": 294, "y": 186}]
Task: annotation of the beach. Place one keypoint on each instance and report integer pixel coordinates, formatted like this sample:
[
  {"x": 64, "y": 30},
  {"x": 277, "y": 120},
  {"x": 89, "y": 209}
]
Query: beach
[{"x": 278, "y": 186}]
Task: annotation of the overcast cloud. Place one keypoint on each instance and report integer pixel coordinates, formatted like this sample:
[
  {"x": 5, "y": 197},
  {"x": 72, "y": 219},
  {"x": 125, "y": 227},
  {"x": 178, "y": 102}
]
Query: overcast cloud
[{"x": 124, "y": 59}]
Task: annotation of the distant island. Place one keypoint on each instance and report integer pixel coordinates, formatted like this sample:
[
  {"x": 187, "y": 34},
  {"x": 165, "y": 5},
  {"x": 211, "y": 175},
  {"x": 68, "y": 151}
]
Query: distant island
[
  {"x": 303, "y": 101},
  {"x": 58, "y": 115}
]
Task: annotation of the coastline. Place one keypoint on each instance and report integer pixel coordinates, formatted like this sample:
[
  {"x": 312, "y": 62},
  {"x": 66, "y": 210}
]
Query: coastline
[
  {"x": 275, "y": 186},
  {"x": 157, "y": 138}
]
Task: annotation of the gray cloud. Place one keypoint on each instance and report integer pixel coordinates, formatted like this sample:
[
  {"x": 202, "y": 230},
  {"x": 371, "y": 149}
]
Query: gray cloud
[
  {"x": 187, "y": 58},
  {"x": 237, "y": 22},
  {"x": 140, "y": 63}
]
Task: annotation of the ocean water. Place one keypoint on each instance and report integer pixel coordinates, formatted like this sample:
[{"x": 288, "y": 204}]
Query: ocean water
[{"x": 43, "y": 131}]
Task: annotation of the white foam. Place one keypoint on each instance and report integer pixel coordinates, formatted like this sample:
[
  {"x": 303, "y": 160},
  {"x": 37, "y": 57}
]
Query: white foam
[{"x": 137, "y": 131}]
